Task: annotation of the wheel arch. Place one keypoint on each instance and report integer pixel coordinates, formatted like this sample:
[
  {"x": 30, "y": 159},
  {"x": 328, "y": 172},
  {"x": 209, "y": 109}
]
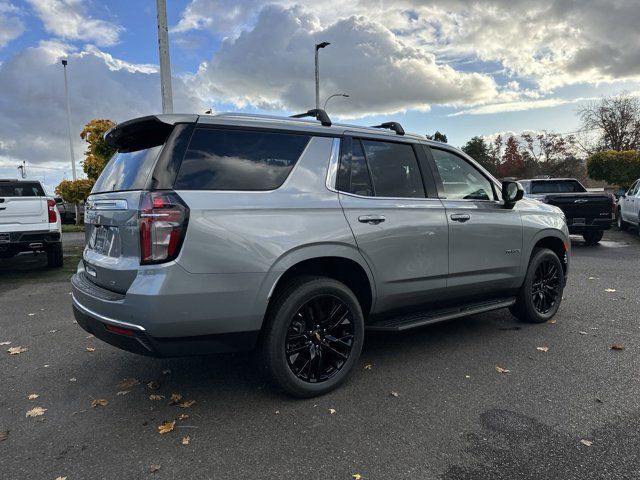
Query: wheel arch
[{"x": 554, "y": 242}]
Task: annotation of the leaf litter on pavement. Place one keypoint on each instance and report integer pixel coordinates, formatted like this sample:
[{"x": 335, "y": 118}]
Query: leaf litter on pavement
[{"x": 36, "y": 412}]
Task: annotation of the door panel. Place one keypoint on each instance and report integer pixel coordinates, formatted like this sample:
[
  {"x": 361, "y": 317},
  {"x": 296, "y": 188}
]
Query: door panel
[{"x": 407, "y": 251}]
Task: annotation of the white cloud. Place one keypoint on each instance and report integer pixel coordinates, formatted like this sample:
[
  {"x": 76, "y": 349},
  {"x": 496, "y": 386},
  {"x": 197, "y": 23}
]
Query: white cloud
[
  {"x": 69, "y": 20},
  {"x": 11, "y": 25},
  {"x": 271, "y": 66},
  {"x": 33, "y": 124}
]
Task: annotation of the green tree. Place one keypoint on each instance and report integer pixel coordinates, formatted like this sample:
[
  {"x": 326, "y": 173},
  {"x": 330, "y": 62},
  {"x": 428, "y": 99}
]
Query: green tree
[
  {"x": 478, "y": 149},
  {"x": 98, "y": 151},
  {"x": 438, "y": 137},
  {"x": 616, "y": 168}
]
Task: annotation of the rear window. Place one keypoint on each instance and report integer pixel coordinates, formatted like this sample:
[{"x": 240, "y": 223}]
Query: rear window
[
  {"x": 21, "y": 189},
  {"x": 239, "y": 160},
  {"x": 558, "y": 186},
  {"x": 127, "y": 170}
]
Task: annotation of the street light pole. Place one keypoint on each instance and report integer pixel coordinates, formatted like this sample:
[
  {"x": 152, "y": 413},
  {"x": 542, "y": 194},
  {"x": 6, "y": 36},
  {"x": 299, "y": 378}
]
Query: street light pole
[
  {"x": 66, "y": 92},
  {"x": 334, "y": 95},
  {"x": 318, "y": 47},
  {"x": 165, "y": 64}
]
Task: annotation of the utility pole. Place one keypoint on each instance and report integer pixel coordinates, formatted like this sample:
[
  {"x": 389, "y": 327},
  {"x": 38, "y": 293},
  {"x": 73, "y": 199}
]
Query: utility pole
[
  {"x": 318, "y": 47},
  {"x": 73, "y": 157},
  {"x": 66, "y": 92},
  {"x": 165, "y": 64}
]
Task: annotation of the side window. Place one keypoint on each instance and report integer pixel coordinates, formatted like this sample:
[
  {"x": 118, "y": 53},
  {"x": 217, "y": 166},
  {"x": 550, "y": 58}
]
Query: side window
[
  {"x": 394, "y": 169},
  {"x": 461, "y": 180},
  {"x": 633, "y": 190},
  {"x": 353, "y": 175},
  {"x": 238, "y": 159}
]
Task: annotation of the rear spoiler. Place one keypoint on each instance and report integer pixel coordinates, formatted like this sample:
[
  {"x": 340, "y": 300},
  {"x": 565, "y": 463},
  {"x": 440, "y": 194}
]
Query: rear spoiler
[{"x": 144, "y": 132}]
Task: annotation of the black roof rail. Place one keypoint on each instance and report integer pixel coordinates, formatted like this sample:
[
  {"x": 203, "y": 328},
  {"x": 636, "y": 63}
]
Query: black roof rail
[
  {"x": 395, "y": 126},
  {"x": 316, "y": 113}
]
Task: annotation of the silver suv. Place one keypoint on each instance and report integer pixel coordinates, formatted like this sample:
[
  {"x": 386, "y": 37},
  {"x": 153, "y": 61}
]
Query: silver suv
[{"x": 228, "y": 232}]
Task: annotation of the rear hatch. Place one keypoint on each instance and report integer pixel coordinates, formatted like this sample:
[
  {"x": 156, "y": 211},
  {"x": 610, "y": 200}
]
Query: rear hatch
[
  {"x": 22, "y": 204},
  {"x": 112, "y": 211}
]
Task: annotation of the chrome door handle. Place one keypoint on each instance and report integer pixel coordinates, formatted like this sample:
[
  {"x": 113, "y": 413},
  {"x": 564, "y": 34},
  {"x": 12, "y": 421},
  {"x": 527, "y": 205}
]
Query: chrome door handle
[
  {"x": 460, "y": 217},
  {"x": 372, "y": 219}
]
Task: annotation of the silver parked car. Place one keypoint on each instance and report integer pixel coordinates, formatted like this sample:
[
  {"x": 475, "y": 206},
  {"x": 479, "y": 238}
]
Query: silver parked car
[
  {"x": 228, "y": 232},
  {"x": 629, "y": 207}
]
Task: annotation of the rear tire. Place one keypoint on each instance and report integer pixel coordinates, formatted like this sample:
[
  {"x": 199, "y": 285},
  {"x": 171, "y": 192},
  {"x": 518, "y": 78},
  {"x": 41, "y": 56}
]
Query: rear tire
[
  {"x": 541, "y": 293},
  {"x": 592, "y": 238},
  {"x": 314, "y": 318},
  {"x": 622, "y": 225},
  {"x": 54, "y": 255}
]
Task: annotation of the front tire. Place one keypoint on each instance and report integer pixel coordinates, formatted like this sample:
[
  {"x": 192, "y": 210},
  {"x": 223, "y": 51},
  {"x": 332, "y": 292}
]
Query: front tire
[
  {"x": 313, "y": 335},
  {"x": 541, "y": 293},
  {"x": 622, "y": 225},
  {"x": 54, "y": 255},
  {"x": 593, "y": 238}
]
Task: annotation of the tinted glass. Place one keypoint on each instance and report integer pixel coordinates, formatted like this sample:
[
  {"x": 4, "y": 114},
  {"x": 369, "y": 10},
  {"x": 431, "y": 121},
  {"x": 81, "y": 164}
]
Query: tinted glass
[
  {"x": 127, "y": 171},
  {"x": 353, "y": 176},
  {"x": 239, "y": 160},
  {"x": 21, "y": 189},
  {"x": 460, "y": 179},
  {"x": 556, "y": 186},
  {"x": 634, "y": 188},
  {"x": 394, "y": 169}
]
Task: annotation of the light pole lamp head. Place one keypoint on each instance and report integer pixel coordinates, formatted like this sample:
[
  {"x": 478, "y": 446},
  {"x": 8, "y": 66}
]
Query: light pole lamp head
[
  {"x": 322, "y": 45},
  {"x": 64, "y": 63}
]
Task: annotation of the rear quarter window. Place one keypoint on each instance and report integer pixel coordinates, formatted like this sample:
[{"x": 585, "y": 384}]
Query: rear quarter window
[
  {"x": 127, "y": 170},
  {"x": 219, "y": 159}
]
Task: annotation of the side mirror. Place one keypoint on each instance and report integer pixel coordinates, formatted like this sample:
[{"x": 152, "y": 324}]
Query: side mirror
[{"x": 511, "y": 193}]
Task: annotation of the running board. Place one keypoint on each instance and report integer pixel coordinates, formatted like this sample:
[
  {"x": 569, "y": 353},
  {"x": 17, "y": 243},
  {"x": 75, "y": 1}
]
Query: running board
[{"x": 419, "y": 319}]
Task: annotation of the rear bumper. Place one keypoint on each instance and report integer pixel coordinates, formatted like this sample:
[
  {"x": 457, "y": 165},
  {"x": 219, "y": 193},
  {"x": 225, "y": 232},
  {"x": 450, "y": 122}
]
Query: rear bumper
[
  {"x": 27, "y": 241},
  {"x": 140, "y": 342},
  {"x": 591, "y": 225}
]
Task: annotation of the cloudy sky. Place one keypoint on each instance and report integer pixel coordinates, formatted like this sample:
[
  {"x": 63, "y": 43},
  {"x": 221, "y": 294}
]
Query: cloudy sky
[{"x": 463, "y": 67}]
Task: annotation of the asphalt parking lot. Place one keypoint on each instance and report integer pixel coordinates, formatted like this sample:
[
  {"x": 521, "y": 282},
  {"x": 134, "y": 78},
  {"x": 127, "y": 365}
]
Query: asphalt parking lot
[{"x": 428, "y": 404}]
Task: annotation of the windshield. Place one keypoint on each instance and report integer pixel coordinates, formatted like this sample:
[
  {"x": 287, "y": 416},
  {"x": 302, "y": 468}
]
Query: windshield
[
  {"x": 21, "y": 189},
  {"x": 127, "y": 171},
  {"x": 557, "y": 186}
]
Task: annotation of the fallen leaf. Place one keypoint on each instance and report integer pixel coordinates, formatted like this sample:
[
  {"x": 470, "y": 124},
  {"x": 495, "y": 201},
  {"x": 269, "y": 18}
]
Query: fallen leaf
[
  {"x": 127, "y": 383},
  {"x": 99, "y": 402},
  {"x": 31, "y": 314},
  {"x": 91, "y": 349},
  {"x": 16, "y": 350},
  {"x": 395, "y": 394},
  {"x": 332, "y": 411},
  {"x": 368, "y": 366},
  {"x": 616, "y": 346},
  {"x": 89, "y": 336},
  {"x": 153, "y": 385},
  {"x": 467, "y": 376},
  {"x": 185, "y": 440},
  {"x": 61, "y": 478},
  {"x": 123, "y": 392},
  {"x": 36, "y": 412},
  {"x": 583, "y": 333},
  {"x": 166, "y": 372},
  {"x": 502, "y": 370},
  {"x": 543, "y": 349},
  {"x": 588, "y": 443},
  {"x": 553, "y": 320},
  {"x": 186, "y": 403},
  {"x": 156, "y": 397},
  {"x": 5, "y": 343},
  {"x": 166, "y": 427},
  {"x": 33, "y": 396},
  {"x": 183, "y": 416},
  {"x": 175, "y": 398},
  {"x": 73, "y": 379},
  {"x": 154, "y": 468},
  {"x": 356, "y": 476},
  {"x": 53, "y": 331},
  {"x": 277, "y": 412},
  {"x": 609, "y": 290},
  {"x": 592, "y": 278},
  {"x": 4, "y": 435}
]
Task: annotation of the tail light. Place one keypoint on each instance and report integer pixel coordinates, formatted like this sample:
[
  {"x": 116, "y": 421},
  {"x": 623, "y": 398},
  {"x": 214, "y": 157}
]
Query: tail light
[
  {"x": 162, "y": 220},
  {"x": 51, "y": 206},
  {"x": 613, "y": 204}
]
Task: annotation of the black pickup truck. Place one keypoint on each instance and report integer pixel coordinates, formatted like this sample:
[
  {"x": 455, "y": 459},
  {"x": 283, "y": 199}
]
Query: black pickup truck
[{"x": 588, "y": 213}]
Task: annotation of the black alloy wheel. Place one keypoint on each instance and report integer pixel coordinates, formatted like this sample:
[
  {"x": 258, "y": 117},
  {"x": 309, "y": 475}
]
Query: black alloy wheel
[
  {"x": 319, "y": 338},
  {"x": 546, "y": 286}
]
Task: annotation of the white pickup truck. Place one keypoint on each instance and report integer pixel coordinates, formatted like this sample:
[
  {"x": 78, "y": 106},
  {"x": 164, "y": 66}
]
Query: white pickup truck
[{"x": 29, "y": 221}]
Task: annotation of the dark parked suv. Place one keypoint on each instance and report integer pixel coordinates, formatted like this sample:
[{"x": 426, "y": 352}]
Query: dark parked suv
[{"x": 226, "y": 232}]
